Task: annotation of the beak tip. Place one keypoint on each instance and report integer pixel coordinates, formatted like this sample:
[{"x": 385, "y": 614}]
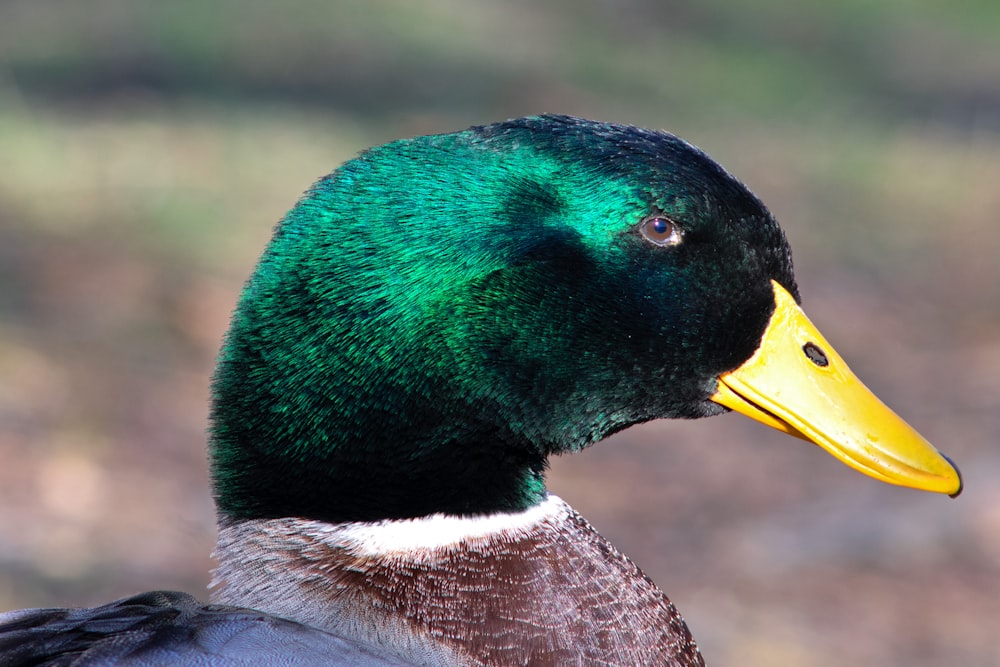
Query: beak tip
[{"x": 958, "y": 473}]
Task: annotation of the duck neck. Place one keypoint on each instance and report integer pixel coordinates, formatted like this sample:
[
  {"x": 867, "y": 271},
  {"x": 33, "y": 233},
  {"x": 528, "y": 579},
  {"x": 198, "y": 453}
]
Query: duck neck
[
  {"x": 435, "y": 582},
  {"x": 402, "y": 471}
]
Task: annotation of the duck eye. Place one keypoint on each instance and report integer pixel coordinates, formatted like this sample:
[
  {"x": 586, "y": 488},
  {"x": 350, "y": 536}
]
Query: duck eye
[{"x": 660, "y": 231}]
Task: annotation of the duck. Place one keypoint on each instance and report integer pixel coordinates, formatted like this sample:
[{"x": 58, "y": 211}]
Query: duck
[{"x": 428, "y": 325}]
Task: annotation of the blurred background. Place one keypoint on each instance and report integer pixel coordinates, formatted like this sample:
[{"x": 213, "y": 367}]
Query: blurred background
[{"x": 149, "y": 147}]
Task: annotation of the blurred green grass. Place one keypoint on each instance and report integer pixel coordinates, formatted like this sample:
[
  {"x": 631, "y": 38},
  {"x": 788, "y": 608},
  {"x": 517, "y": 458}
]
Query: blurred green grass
[{"x": 148, "y": 148}]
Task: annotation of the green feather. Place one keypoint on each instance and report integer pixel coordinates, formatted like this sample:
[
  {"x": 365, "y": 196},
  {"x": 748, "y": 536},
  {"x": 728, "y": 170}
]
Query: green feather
[{"x": 440, "y": 314}]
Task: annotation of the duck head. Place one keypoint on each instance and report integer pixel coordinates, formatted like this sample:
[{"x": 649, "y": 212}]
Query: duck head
[{"x": 439, "y": 315}]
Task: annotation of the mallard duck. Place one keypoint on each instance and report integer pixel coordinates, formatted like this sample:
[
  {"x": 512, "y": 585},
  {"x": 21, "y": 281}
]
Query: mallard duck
[{"x": 429, "y": 324}]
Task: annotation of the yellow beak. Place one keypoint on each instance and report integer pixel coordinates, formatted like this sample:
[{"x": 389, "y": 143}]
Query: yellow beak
[{"x": 795, "y": 382}]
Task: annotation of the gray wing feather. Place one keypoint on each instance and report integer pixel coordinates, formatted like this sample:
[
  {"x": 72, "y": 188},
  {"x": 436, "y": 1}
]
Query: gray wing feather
[{"x": 168, "y": 628}]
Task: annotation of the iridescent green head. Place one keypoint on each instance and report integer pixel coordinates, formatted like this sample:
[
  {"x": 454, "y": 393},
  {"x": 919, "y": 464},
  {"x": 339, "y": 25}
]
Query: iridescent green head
[{"x": 439, "y": 315}]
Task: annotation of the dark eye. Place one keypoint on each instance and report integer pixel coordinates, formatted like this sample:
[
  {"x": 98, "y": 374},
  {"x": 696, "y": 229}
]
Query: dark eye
[{"x": 660, "y": 230}]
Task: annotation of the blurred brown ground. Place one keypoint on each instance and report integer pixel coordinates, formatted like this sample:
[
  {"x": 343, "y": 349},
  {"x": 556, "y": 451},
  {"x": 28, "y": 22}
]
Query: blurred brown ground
[{"x": 149, "y": 151}]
